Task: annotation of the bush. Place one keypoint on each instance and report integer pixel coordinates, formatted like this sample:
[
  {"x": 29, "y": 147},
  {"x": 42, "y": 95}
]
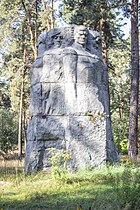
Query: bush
[
  {"x": 126, "y": 187},
  {"x": 124, "y": 146}
]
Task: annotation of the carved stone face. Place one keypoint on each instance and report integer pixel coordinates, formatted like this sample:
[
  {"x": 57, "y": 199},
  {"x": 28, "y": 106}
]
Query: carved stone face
[
  {"x": 57, "y": 40},
  {"x": 80, "y": 35}
]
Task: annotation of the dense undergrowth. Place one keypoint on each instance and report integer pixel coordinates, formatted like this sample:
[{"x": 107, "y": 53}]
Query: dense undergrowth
[{"x": 110, "y": 188}]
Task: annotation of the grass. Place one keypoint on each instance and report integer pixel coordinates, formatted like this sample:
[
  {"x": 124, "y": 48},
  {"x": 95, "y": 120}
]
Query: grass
[{"x": 110, "y": 188}]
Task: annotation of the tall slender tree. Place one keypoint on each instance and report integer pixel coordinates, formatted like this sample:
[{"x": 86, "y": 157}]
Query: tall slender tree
[
  {"x": 133, "y": 117},
  {"x": 21, "y": 109}
]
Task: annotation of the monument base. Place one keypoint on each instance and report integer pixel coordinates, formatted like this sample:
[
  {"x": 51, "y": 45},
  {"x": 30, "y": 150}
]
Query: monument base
[{"x": 85, "y": 139}]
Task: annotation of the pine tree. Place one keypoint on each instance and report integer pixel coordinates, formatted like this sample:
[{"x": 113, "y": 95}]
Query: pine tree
[{"x": 133, "y": 118}]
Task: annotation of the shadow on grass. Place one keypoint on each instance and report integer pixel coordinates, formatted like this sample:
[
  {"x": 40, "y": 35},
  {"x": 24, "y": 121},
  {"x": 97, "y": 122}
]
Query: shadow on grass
[
  {"x": 88, "y": 196},
  {"x": 118, "y": 190},
  {"x": 87, "y": 199}
]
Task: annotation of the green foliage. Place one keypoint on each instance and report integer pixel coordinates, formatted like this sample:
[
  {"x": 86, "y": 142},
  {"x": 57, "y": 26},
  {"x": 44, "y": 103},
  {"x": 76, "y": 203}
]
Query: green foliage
[
  {"x": 91, "y": 13},
  {"x": 8, "y": 131},
  {"x": 119, "y": 83},
  {"x": 59, "y": 159},
  {"x": 124, "y": 146},
  {"x": 80, "y": 12},
  {"x": 11, "y": 46},
  {"x": 126, "y": 186},
  {"x": 4, "y": 94}
]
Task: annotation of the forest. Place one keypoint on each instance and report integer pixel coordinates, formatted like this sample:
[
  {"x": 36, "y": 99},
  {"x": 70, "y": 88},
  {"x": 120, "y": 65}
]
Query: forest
[{"x": 21, "y": 23}]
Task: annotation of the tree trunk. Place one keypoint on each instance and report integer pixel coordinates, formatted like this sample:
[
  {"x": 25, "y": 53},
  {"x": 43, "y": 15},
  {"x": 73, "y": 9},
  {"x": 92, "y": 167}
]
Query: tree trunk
[
  {"x": 21, "y": 110},
  {"x": 121, "y": 110},
  {"x": 104, "y": 48},
  {"x": 20, "y": 129},
  {"x": 36, "y": 26},
  {"x": 47, "y": 19},
  {"x": 133, "y": 117},
  {"x": 32, "y": 38},
  {"x": 52, "y": 14},
  {"x": 24, "y": 129}
]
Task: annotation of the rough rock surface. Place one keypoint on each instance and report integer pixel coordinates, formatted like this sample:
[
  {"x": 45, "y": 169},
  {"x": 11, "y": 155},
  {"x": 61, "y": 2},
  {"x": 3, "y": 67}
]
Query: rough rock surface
[{"x": 69, "y": 107}]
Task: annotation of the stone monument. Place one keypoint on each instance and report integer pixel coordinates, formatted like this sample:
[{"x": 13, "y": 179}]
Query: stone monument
[{"x": 69, "y": 107}]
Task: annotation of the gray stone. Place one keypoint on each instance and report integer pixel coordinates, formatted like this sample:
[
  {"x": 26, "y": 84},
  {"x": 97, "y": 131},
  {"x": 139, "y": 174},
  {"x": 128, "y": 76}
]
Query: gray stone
[
  {"x": 52, "y": 67},
  {"x": 53, "y": 99},
  {"x": 80, "y": 104},
  {"x": 35, "y": 99},
  {"x": 69, "y": 104},
  {"x": 46, "y": 128},
  {"x": 43, "y": 133},
  {"x": 35, "y": 75},
  {"x": 86, "y": 141}
]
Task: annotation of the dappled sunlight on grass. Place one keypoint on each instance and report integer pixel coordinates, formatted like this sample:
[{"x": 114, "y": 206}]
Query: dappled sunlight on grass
[{"x": 97, "y": 189}]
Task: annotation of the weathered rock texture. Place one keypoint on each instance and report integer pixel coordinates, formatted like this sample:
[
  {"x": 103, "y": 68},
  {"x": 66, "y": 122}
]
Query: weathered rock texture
[{"x": 69, "y": 105}]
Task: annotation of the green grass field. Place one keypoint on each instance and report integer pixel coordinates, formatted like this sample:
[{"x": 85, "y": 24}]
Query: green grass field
[{"x": 110, "y": 188}]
